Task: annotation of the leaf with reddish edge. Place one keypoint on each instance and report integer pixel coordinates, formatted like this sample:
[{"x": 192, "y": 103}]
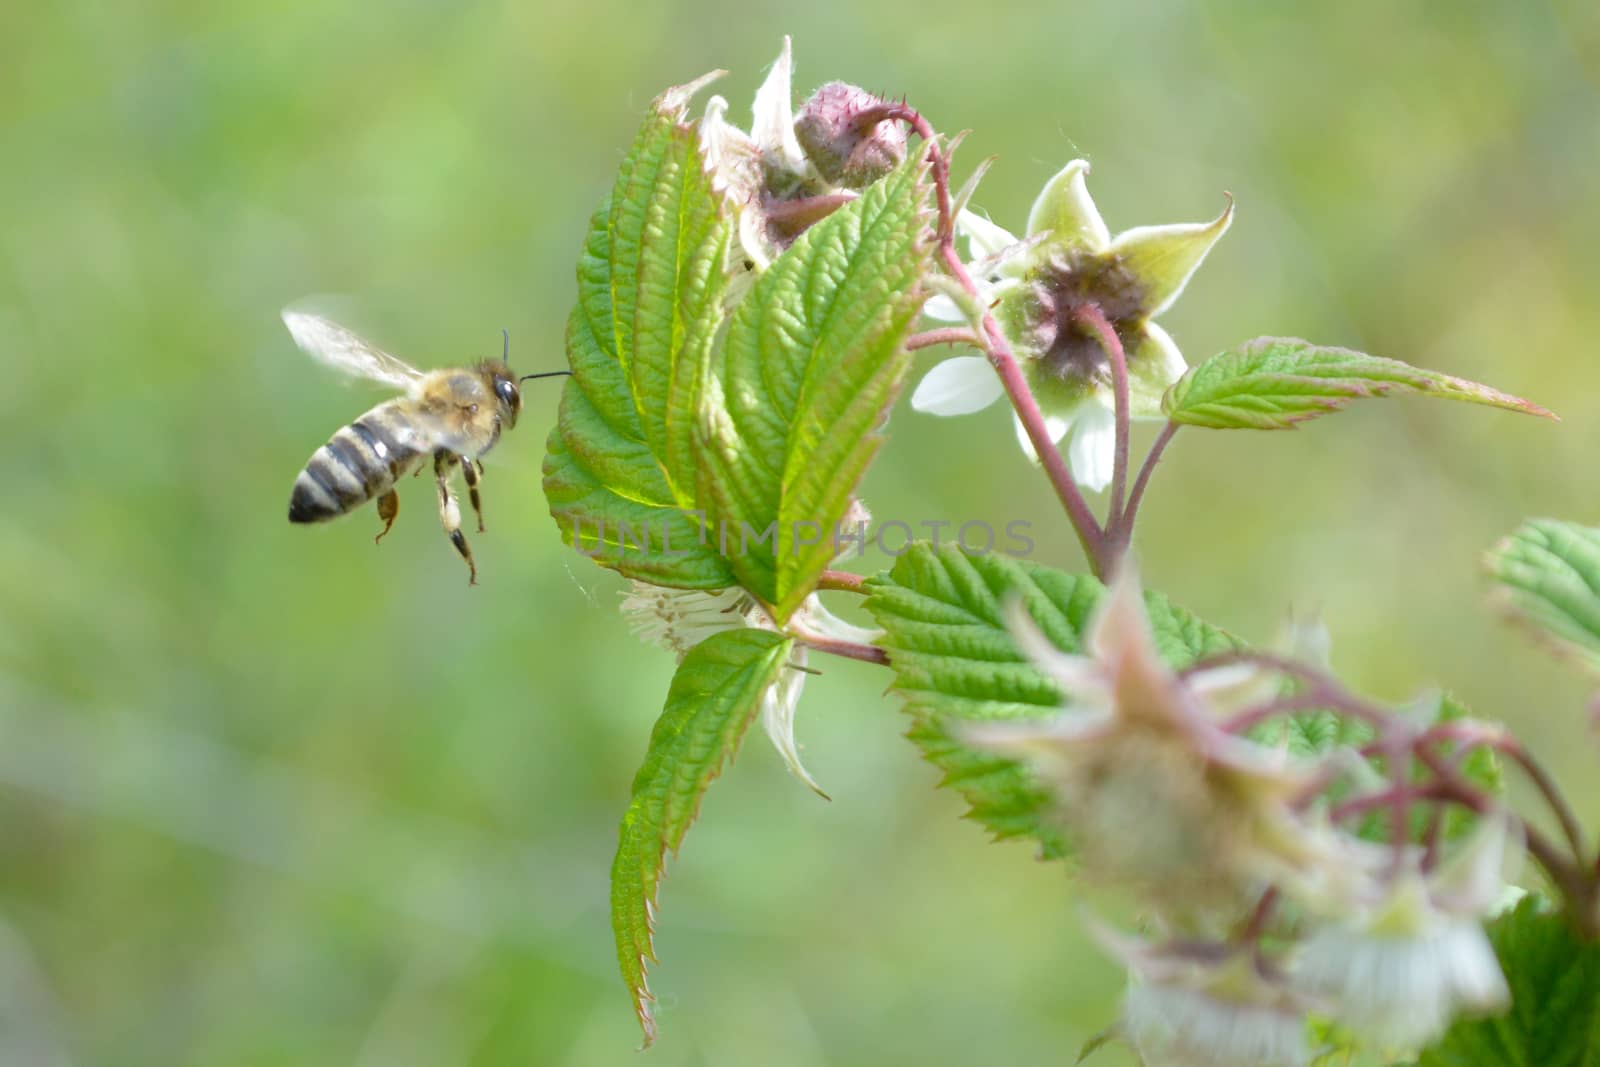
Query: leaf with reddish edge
[{"x": 1276, "y": 383}]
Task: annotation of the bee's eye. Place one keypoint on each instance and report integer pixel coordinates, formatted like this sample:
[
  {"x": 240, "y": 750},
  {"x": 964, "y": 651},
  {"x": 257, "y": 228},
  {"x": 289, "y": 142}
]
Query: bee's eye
[{"x": 507, "y": 391}]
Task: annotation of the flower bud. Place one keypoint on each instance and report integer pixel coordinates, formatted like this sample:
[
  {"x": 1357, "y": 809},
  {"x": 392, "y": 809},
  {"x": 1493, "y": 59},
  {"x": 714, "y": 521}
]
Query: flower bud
[{"x": 842, "y": 133}]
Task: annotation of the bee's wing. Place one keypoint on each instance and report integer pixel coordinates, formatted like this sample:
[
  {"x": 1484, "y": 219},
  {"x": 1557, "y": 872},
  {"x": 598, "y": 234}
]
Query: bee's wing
[{"x": 328, "y": 342}]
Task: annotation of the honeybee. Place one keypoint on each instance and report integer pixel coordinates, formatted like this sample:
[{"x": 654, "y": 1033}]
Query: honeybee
[{"x": 453, "y": 415}]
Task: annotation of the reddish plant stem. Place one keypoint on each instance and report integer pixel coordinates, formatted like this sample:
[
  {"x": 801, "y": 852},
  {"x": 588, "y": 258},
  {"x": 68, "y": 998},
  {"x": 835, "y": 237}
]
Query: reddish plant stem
[
  {"x": 1090, "y": 535},
  {"x": 1256, "y": 925},
  {"x": 948, "y": 335},
  {"x": 847, "y": 649},
  {"x": 843, "y": 582},
  {"x": 1371, "y": 802},
  {"x": 1244, "y": 721},
  {"x": 1570, "y": 876},
  {"x": 937, "y": 162},
  {"x": 1398, "y": 751},
  {"x": 1324, "y": 692},
  {"x": 992, "y": 340},
  {"x": 1122, "y": 532},
  {"x": 1091, "y": 316},
  {"x": 1433, "y": 833},
  {"x": 1512, "y": 749}
]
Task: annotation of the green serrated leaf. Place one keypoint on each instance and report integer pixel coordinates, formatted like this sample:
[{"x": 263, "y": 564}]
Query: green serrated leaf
[
  {"x": 651, "y": 282},
  {"x": 1554, "y": 1018},
  {"x": 812, "y": 362},
  {"x": 1548, "y": 575},
  {"x": 714, "y": 695},
  {"x": 1274, "y": 383},
  {"x": 941, "y": 613}
]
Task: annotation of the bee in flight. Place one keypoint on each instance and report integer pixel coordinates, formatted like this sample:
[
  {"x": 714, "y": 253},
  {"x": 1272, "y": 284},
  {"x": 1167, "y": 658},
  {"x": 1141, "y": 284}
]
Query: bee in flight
[{"x": 453, "y": 415}]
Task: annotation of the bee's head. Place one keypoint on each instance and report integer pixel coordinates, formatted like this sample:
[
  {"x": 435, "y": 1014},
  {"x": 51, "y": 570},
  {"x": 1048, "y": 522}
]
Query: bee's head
[
  {"x": 508, "y": 389},
  {"x": 507, "y": 394},
  {"x": 507, "y": 386}
]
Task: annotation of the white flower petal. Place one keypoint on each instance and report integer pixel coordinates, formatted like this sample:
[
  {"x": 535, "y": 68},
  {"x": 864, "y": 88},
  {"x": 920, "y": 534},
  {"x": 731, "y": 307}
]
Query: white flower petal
[
  {"x": 1092, "y": 451},
  {"x": 753, "y": 239},
  {"x": 821, "y": 621},
  {"x": 1154, "y": 363},
  {"x": 1177, "y": 1027},
  {"x": 679, "y": 619},
  {"x": 1403, "y": 991},
  {"x": 730, "y": 155},
  {"x": 1472, "y": 881},
  {"x": 773, "y": 125},
  {"x": 984, "y": 238},
  {"x": 1055, "y": 425},
  {"x": 1065, "y": 209},
  {"x": 941, "y": 308},
  {"x": 778, "y": 705},
  {"x": 958, "y": 386}
]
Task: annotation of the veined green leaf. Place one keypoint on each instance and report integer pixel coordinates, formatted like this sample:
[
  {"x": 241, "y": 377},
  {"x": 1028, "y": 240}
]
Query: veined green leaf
[
  {"x": 953, "y": 659},
  {"x": 619, "y": 466},
  {"x": 714, "y": 695},
  {"x": 1273, "y": 383},
  {"x": 1554, "y": 1018},
  {"x": 1548, "y": 574},
  {"x": 812, "y": 362}
]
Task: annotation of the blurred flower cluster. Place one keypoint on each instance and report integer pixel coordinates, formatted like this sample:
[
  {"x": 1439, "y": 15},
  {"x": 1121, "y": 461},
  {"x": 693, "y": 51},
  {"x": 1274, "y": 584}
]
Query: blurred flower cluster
[{"x": 1265, "y": 906}]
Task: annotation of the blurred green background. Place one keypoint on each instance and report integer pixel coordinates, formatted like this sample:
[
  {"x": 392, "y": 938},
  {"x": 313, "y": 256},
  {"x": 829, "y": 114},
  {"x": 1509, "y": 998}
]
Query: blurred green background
[{"x": 271, "y": 795}]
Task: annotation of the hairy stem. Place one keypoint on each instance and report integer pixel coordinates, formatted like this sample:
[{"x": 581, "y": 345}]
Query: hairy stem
[
  {"x": 1513, "y": 750},
  {"x": 1090, "y": 535},
  {"x": 1323, "y": 691},
  {"x": 1577, "y": 884},
  {"x": 993, "y": 341},
  {"x": 838, "y": 647},
  {"x": 948, "y": 335},
  {"x": 843, "y": 582},
  {"x": 1256, "y": 925},
  {"x": 1123, "y": 531}
]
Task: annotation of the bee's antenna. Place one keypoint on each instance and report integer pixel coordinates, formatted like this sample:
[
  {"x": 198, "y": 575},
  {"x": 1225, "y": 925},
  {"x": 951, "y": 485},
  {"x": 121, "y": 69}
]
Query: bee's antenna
[
  {"x": 546, "y": 374},
  {"x": 505, "y": 352}
]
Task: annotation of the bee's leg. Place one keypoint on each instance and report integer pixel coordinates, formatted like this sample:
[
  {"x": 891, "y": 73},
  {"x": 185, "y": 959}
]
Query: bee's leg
[
  {"x": 388, "y": 508},
  {"x": 450, "y": 512},
  {"x": 472, "y": 471}
]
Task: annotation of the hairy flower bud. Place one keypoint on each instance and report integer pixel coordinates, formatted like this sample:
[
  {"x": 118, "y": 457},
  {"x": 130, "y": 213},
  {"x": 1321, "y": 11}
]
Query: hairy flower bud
[{"x": 844, "y": 138}]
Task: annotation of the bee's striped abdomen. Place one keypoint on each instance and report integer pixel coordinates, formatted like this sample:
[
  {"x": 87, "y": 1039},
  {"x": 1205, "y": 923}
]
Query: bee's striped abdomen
[{"x": 361, "y": 461}]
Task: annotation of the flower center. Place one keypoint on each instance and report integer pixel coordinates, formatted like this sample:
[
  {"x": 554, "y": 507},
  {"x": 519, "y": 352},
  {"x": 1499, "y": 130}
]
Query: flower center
[{"x": 1071, "y": 351}]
